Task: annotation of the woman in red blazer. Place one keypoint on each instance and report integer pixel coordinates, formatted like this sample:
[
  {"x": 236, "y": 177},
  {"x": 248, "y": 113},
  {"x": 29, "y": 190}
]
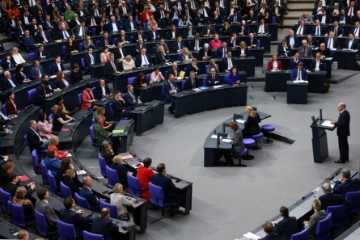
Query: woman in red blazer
[
  {"x": 87, "y": 98},
  {"x": 274, "y": 64},
  {"x": 144, "y": 175},
  {"x": 11, "y": 107}
]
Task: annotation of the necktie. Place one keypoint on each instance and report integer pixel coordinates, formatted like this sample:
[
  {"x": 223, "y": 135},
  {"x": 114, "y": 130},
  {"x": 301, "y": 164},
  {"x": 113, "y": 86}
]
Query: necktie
[
  {"x": 351, "y": 11},
  {"x": 299, "y": 75},
  {"x": 133, "y": 97},
  {"x": 12, "y": 83},
  {"x": 83, "y": 31},
  {"x": 330, "y": 43},
  {"x": 317, "y": 30},
  {"x": 224, "y": 53},
  {"x": 335, "y": 31},
  {"x": 96, "y": 12},
  {"x": 38, "y": 71},
  {"x": 113, "y": 65}
]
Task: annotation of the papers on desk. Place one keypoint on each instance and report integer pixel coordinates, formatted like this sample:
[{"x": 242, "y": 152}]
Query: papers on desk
[
  {"x": 129, "y": 156},
  {"x": 197, "y": 89},
  {"x": 217, "y": 86},
  {"x": 136, "y": 166},
  {"x": 329, "y": 58},
  {"x": 251, "y": 235},
  {"x": 81, "y": 172},
  {"x": 203, "y": 88},
  {"x": 214, "y": 136},
  {"x": 300, "y": 82},
  {"x": 327, "y": 123},
  {"x": 225, "y": 140},
  {"x": 69, "y": 155},
  {"x": 240, "y": 121}
]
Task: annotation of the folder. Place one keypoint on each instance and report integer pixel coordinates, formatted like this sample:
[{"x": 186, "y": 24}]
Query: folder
[
  {"x": 118, "y": 131},
  {"x": 182, "y": 74}
]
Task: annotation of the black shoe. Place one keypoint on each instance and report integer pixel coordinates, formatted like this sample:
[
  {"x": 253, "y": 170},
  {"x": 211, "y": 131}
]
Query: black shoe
[{"x": 339, "y": 161}]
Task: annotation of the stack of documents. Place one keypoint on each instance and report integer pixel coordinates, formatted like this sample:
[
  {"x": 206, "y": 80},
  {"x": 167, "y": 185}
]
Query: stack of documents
[
  {"x": 240, "y": 120},
  {"x": 251, "y": 235},
  {"x": 327, "y": 123}
]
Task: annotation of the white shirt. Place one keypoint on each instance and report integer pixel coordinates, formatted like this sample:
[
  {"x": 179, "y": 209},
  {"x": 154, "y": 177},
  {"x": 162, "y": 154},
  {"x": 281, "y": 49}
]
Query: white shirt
[
  {"x": 18, "y": 58},
  {"x": 261, "y": 29},
  {"x": 144, "y": 60},
  {"x": 114, "y": 27},
  {"x": 59, "y": 67},
  {"x": 323, "y": 19},
  {"x": 103, "y": 90},
  {"x": 317, "y": 66},
  {"x": 275, "y": 65},
  {"x": 300, "y": 30}
]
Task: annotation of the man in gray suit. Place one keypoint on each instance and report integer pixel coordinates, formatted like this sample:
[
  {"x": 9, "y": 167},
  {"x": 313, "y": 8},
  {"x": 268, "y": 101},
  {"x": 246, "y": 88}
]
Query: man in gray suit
[
  {"x": 42, "y": 205},
  {"x": 305, "y": 50},
  {"x": 237, "y": 141}
]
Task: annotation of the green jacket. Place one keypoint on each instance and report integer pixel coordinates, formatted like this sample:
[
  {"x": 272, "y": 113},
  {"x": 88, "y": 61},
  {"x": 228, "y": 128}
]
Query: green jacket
[{"x": 101, "y": 134}]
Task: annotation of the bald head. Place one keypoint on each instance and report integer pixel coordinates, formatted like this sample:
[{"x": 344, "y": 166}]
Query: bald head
[
  {"x": 87, "y": 181},
  {"x": 326, "y": 187},
  {"x": 341, "y": 106}
]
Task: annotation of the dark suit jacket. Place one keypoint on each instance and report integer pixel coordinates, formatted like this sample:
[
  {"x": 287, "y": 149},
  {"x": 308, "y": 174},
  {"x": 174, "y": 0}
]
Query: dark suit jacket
[
  {"x": 37, "y": 54},
  {"x": 202, "y": 53},
  {"x": 98, "y": 91},
  {"x": 190, "y": 84},
  {"x": 117, "y": 53},
  {"x": 5, "y": 84},
  {"x": 90, "y": 197},
  {"x": 296, "y": 41},
  {"x": 165, "y": 182},
  {"x": 211, "y": 80},
  {"x": 343, "y": 124},
  {"x": 54, "y": 69},
  {"x": 128, "y": 27},
  {"x": 39, "y": 38},
  {"x": 294, "y": 74},
  {"x": 122, "y": 173},
  {"x": 71, "y": 184},
  {"x": 34, "y": 72},
  {"x": 129, "y": 100},
  {"x": 286, "y": 227},
  {"x": 271, "y": 236},
  {"x": 226, "y": 62},
  {"x": 104, "y": 227},
  {"x": 335, "y": 43},
  {"x": 60, "y": 84},
  {"x": 281, "y": 51},
  {"x": 138, "y": 60},
  {"x": 120, "y": 110},
  {"x": 313, "y": 65},
  {"x": 41, "y": 94},
  {"x": 342, "y": 188},
  {"x": 161, "y": 58},
  {"x": 331, "y": 199},
  {"x": 109, "y": 68},
  {"x": 88, "y": 60},
  {"x": 80, "y": 222},
  {"x": 294, "y": 64},
  {"x": 354, "y": 45},
  {"x": 251, "y": 126}
]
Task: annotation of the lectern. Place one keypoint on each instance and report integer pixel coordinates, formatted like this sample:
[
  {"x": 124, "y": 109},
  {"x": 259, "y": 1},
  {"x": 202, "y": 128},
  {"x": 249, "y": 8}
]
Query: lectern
[{"x": 319, "y": 140}]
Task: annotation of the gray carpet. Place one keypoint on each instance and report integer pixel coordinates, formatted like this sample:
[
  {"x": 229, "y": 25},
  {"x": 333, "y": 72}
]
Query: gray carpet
[{"x": 228, "y": 202}]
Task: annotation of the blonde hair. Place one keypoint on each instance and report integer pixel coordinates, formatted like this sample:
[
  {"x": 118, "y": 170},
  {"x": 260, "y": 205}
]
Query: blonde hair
[
  {"x": 70, "y": 173},
  {"x": 117, "y": 159},
  {"x": 250, "y": 111},
  {"x": 20, "y": 192},
  {"x": 316, "y": 204},
  {"x": 128, "y": 58},
  {"x": 118, "y": 188},
  {"x": 53, "y": 140},
  {"x": 14, "y": 49}
]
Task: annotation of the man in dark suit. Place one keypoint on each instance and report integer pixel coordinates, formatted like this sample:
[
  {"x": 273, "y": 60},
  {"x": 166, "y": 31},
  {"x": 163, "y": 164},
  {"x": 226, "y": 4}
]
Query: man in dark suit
[
  {"x": 153, "y": 35},
  {"x": 169, "y": 90},
  {"x": 160, "y": 179},
  {"x": 102, "y": 90},
  {"x": 213, "y": 78},
  {"x": 119, "y": 107},
  {"x": 190, "y": 82},
  {"x": 40, "y": 53},
  {"x": 331, "y": 199},
  {"x": 331, "y": 42},
  {"x": 36, "y": 71},
  {"x": 338, "y": 31},
  {"x": 287, "y": 226},
  {"x": 142, "y": 60},
  {"x": 104, "y": 226},
  {"x": 343, "y": 132},
  {"x": 28, "y": 40},
  {"x": 291, "y": 40},
  {"x": 295, "y": 61},
  {"x": 228, "y": 62},
  {"x": 173, "y": 33},
  {"x": 120, "y": 52},
  {"x": 72, "y": 216},
  {"x": 111, "y": 66},
  {"x": 205, "y": 53},
  {"x": 86, "y": 192},
  {"x": 57, "y": 66},
  {"x": 106, "y": 40},
  {"x": 131, "y": 25},
  {"x": 34, "y": 139},
  {"x": 7, "y": 82},
  {"x": 42, "y": 36},
  {"x": 161, "y": 56},
  {"x": 318, "y": 29},
  {"x": 268, "y": 228},
  {"x": 346, "y": 184},
  {"x": 324, "y": 51},
  {"x": 351, "y": 42},
  {"x": 89, "y": 57},
  {"x": 80, "y": 31},
  {"x": 42, "y": 92},
  {"x": 42, "y": 205},
  {"x": 317, "y": 64},
  {"x": 299, "y": 73},
  {"x": 131, "y": 99}
]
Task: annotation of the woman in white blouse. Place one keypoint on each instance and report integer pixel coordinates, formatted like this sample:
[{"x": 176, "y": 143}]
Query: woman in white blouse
[
  {"x": 120, "y": 201},
  {"x": 16, "y": 56},
  {"x": 156, "y": 76},
  {"x": 186, "y": 55},
  {"x": 128, "y": 63}
]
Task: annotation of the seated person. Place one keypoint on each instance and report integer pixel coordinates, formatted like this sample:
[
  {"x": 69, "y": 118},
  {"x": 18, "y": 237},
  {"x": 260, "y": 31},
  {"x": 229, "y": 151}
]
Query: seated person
[
  {"x": 243, "y": 49},
  {"x": 87, "y": 193},
  {"x": 161, "y": 55},
  {"x": 120, "y": 169},
  {"x": 100, "y": 112},
  {"x": 186, "y": 55},
  {"x": 144, "y": 174},
  {"x": 274, "y": 64},
  {"x": 190, "y": 82},
  {"x": 234, "y": 77},
  {"x": 76, "y": 75},
  {"x": 7, "y": 82},
  {"x": 54, "y": 142},
  {"x": 299, "y": 73},
  {"x": 287, "y": 226},
  {"x": 101, "y": 134},
  {"x": 170, "y": 89},
  {"x": 318, "y": 215},
  {"x": 70, "y": 215},
  {"x": 331, "y": 199},
  {"x": 65, "y": 165},
  {"x": 42, "y": 205},
  {"x": 213, "y": 78},
  {"x": 34, "y": 139},
  {"x": 128, "y": 63},
  {"x": 69, "y": 180},
  {"x": 60, "y": 119},
  {"x": 16, "y": 57},
  {"x": 161, "y": 180},
  {"x": 102, "y": 90},
  {"x": 60, "y": 103},
  {"x": 104, "y": 226},
  {"x": 44, "y": 126},
  {"x": 52, "y": 163},
  {"x": 3, "y": 160},
  {"x": 120, "y": 201},
  {"x": 21, "y": 199},
  {"x": 11, "y": 107},
  {"x": 140, "y": 81},
  {"x": 205, "y": 53},
  {"x": 268, "y": 228},
  {"x": 317, "y": 64},
  {"x": 87, "y": 98},
  {"x": 346, "y": 184},
  {"x": 119, "y": 107},
  {"x": 251, "y": 125},
  {"x": 13, "y": 184},
  {"x": 61, "y": 82},
  {"x": 5, "y": 170},
  {"x": 131, "y": 99},
  {"x": 20, "y": 76},
  {"x": 43, "y": 91},
  {"x": 107, "y": 153}
]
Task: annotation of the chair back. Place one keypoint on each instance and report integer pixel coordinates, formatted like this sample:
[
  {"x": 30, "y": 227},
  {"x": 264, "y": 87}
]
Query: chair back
[
  {"x": 81, "y": 47},
  {"x": 35, "y": 160},
  {"x": 131, "y": 80},
  {"x": 323, "y": 228},
  {"x": 52, "y": 182},
  {"x": 227, "y": 78},
  {"x": 31, "y": 94},
  {"x": 147, "y": 77},
  {"x": 112, "y": 176},
  {"x": 156, "y": 195},
  {"x": 3, "y": 109},
  {"x": 66, "y": 231},
  {"x": 92, "y": 137},
  {"x": 111, "y": 110},
  {"x": 82, "y": 202},
  {"x": 41, "y": 224},
  {"x": 102, "y": 165},
  {"x": 354, "y": 199},
  {"x": 5, "y": 198},
  {"x": 303, "y": 235},
  {"x": 27, "y": 142},
  {"x": 17, "y": 215},
  {"x": 65, "y": 190},
  {"x": 340, "y": 215},
  {"x": 79, "y": 99},
  {"x": 44, "y": 171},
  {"x": 92, "y": 236},
  {"x": 83, "y": 63},
  {"x": 31, "y": 56},
  {"x": 134, "y": 185},
  {"x": 113, "y": 209}
]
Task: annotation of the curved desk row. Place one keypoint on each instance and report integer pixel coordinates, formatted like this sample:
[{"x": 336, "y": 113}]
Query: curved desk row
[
  {"x": 201, "y": 99},
  {"x": 10, "y": 231},
  {"x": 302, "y": 208},
  {"x": 211, "y": 145}
]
